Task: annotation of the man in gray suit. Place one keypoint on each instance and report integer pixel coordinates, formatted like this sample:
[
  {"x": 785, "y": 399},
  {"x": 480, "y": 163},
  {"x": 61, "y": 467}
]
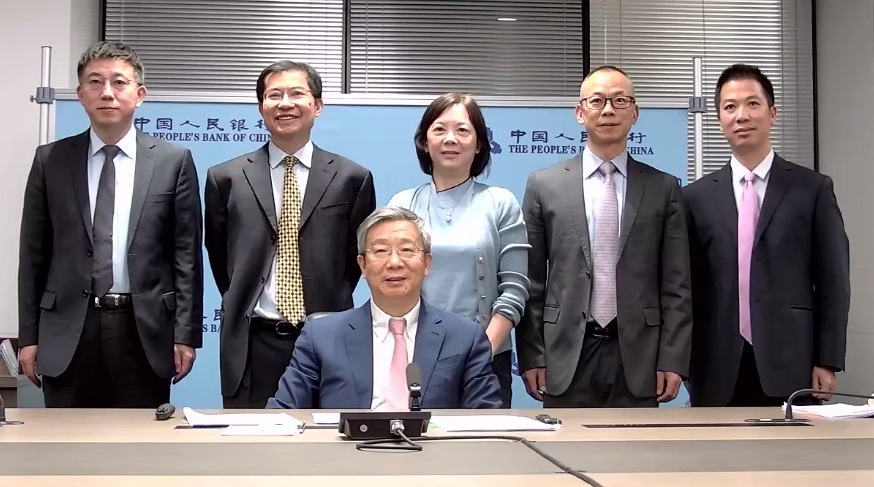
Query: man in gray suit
[
  {"x": 110, "y": 269},
  {"x": 280, "y": 234},
  {"x": 611, "y": 325}
]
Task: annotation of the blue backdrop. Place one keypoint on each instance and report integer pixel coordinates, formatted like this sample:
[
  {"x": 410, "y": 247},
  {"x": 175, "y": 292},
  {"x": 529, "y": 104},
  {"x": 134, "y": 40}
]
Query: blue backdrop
[{"x": 381, "y": 139}]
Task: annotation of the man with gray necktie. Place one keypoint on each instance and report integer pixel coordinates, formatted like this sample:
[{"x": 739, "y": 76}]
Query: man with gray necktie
[
  {"x": 110, "y": 278},
  {"x": 772, "y": 292},
  {"x": 609, "y": 318}
]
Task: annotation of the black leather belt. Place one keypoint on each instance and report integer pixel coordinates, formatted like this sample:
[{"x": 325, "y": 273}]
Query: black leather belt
[
  {"x": 281, "y": 328},
  {"x": 112, "y": 301},
  {"x": 609, "y": 332}
]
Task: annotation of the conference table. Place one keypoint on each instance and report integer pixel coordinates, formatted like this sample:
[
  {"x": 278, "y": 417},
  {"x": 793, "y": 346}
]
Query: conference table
[{"x": 617, "y": 447}]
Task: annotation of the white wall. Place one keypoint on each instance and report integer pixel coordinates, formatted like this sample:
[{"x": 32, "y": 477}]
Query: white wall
[
  {"x": 845, "y": 77},
  {"x": 68, "y": 26}
]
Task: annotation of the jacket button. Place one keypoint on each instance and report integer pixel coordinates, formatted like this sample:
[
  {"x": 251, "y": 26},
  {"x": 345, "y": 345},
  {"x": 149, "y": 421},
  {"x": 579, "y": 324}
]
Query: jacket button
[
  {"x": 480, "y": 260},
  {"x": 263, "y": 279},
  {"x": 584, "y": 316},
  {"x": 273, "y": 239},
  {"x": 85, "y": 293},
  {"x": 485, "y": 317},
  {"x": 588, "y": 274},
  {"x": 483, "y": 297},
  {"x": 89, "y": 252},
  {"x": 482, "y": 278}
]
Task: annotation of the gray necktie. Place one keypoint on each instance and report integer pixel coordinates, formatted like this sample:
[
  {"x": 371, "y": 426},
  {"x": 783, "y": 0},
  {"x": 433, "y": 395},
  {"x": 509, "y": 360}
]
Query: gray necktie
[
  {"x": 605, "y": 250},
  {"x": 101, "y": 281}
]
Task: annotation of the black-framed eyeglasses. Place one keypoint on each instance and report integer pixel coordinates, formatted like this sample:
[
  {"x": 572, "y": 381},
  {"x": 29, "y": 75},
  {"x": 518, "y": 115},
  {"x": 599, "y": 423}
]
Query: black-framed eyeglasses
[{"x": 598, "y": 102}]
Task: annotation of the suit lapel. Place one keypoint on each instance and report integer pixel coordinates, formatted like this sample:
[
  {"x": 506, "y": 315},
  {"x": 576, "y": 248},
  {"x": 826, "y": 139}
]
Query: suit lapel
[
  {"x": 429, "y": 341},
  {"x": 257, "y": 172},
  {"x": 322, "y": 171},
  {"x": 79, "y": 175},
  {"x": 144, "y": 169},
  {"x": 359, "y": 350},
  {"x": 635, "y": 185},
  {"x": 578, "y": 205},
  {"x": 724, "y": 200},
  {"x": 779, "y": 182}
]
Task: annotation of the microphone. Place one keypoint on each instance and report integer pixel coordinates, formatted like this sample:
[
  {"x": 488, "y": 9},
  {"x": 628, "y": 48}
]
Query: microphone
[
  {"x": 806, "y": 392},
  {"x": 414, "y": 384}
]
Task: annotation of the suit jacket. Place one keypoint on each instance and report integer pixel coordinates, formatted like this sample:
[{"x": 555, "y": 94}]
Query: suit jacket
[
  {"x": 652, "y": 277},
  {"x": 332, "y": 363},
  {"x": 165, "y": 261},
  {"x": 242, "y": 235},
  {"x": 800, "y": 284}
]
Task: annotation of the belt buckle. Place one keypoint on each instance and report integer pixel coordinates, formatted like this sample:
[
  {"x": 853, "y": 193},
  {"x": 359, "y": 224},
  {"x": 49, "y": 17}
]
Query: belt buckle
[
  {"x": 282, "y": 322},
  {"x": 96, "y": 301},
  {"x": 600, "y": 332}
]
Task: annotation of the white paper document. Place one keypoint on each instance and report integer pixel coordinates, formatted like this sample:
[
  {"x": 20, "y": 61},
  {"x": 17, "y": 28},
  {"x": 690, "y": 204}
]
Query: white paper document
[
  {"x": 326, "y": 418},
  {"x": 262, "y": 430},
  {"x": 196, "y": 419},
  {"x": 835, "y": 411},
  {"x": 488, "y": 422}
]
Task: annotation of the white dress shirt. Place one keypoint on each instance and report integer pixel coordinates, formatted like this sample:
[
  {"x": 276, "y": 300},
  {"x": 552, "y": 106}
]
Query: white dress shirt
[
  {"x": 593, "y": 186},
  {"x": 125, "y": 165},
  {"x": 762, "y": 172},
  {"x": 266, "y": 305},
  {"x": 384, "y": 348}
]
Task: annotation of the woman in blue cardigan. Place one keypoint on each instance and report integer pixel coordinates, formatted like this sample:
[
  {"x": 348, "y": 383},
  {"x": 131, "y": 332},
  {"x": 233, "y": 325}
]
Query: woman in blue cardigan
[{"x": 479, "y": 244}]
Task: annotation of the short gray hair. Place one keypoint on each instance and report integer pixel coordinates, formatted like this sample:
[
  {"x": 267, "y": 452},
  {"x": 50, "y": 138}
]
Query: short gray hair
[
  {"x": 390, "y": 214},
  {"x": 111, "y": 50}
]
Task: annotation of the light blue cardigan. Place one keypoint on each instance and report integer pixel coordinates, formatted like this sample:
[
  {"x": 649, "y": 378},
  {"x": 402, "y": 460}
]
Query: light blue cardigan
[{"x": 501, "y": 263}]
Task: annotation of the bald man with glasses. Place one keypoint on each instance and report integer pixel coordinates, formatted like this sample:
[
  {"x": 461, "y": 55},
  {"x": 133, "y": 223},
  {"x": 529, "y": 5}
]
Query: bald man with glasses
[{"x": 612, "y": 324}]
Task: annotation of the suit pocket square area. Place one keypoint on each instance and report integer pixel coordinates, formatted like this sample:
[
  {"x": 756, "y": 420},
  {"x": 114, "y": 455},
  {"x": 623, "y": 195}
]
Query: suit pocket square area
[{"x": 448, "y": 362}]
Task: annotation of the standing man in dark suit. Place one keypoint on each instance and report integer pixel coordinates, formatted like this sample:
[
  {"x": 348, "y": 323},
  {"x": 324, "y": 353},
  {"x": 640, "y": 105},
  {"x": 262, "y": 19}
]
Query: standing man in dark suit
[
  {"x": 770, "y": 260},
  {"x": 609, "y": 320},
  {"x": 280, "y": 234},
  {"x": 110, "y": 266}
]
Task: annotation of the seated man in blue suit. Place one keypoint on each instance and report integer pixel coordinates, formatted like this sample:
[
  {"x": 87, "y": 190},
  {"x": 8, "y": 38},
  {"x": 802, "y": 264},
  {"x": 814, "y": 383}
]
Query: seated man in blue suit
[{"x": 357, "y": 359}]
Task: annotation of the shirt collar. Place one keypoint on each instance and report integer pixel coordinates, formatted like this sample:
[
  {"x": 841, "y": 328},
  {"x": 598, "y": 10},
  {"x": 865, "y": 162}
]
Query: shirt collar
[
  {"x": 738, "y": 171},
  {"x": 127, "y": 144},
  {"x": 380, "y": 320},
  {"x": 304, "y": 154},
  {"x": 592, "y": 163}
]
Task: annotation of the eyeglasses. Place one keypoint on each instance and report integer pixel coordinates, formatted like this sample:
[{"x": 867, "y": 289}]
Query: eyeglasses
[
  {"x": 296, "y": 94},
  {"x": 597, "y": 102},
  {"x": 384, "y": 253},
  {"x": 118, "y": 83}
]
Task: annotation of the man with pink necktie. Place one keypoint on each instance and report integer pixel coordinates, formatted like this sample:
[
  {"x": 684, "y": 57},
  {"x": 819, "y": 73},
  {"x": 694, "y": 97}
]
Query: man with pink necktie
[
  {"x": 770, "y": 263},
  {"x": 357, "y": 359}
]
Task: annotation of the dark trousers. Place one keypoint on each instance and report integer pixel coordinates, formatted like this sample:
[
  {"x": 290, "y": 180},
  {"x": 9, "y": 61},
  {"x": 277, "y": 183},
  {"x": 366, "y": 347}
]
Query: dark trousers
[
  {"x": 269, "y": 355},
  {"x": 748, "y": 390},
  {"x": 109, "y": 368},
  {"x": 502, "y": 365},
  {"x": 599, "y": 380}
]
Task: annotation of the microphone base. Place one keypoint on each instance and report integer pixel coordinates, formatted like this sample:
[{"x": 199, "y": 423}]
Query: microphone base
[{"x": 376, "y": 425}]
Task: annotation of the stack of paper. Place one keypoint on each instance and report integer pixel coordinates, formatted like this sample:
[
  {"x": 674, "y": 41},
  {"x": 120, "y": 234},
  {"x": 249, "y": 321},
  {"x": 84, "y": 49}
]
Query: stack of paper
[
  {"x": 489, "y": 422},
  {"x": 326, "y": 418},
  {"x": 196, "y": 419},
  {"x": 835, "y": 411}
]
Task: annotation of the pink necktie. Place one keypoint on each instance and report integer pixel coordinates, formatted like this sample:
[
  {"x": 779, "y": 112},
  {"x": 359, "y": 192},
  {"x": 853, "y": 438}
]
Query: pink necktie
[
  {"x": 397, "y": 396},
  {"x": 748, "y": 216}
]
